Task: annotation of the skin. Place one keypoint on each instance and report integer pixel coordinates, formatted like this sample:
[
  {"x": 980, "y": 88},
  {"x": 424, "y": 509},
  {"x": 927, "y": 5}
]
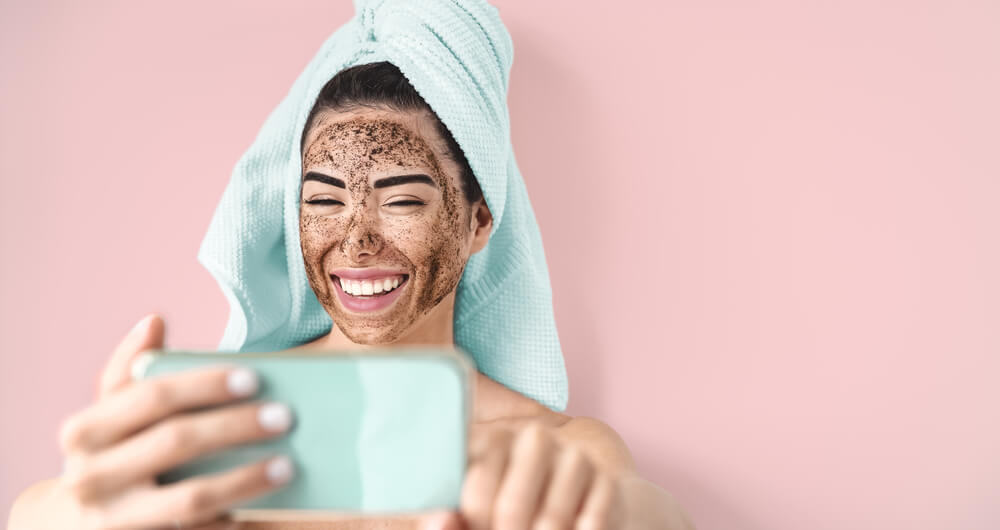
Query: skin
[
  {"x": 427, "y": 230},
  {"x": 528, "y": 467}
]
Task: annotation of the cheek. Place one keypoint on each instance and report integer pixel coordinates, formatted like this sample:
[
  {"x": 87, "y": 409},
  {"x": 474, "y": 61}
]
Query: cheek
[
  {"x": 422, "y": 236},
  {"x": 445, "y": 247},
  {"x": 317, "y": 234}
]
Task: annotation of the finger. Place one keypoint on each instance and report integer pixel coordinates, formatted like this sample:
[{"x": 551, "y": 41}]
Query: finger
[
  {"x": 225, "y": 523},
  {"x": 147, "y": 334},
  {"x": 202, "y": 500},
  {"x": 442, "y": 521},
  {"x": 598, "y": 510},
  {"x": 527, "y": 474},
  {"x": 565, "y": 495},
  {"x": 488, "y": 455},
  {"x": 146, "y": 402},
  {"x": 175, "y": 441},
  {"x": 482, "y": 437}
]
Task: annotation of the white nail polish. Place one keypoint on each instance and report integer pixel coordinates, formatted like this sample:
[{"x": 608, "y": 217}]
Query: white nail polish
[
  {"x": 280, "y": 470},
  {"x": 141, "y": 325},
  {"x": 275, "y": 417},
  {"x": 242, "y": 382}
]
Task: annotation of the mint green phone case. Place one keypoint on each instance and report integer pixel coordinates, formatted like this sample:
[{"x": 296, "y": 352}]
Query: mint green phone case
[{"x": 379, "y": 432}]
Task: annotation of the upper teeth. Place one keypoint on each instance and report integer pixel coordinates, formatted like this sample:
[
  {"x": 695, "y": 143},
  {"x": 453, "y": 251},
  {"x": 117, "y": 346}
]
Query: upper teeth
[{"x": 370, "y": 286}]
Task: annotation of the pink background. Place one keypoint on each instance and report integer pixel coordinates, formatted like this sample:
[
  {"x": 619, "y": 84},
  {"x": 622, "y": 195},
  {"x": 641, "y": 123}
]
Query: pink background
[{"x": 772, "y": 229}]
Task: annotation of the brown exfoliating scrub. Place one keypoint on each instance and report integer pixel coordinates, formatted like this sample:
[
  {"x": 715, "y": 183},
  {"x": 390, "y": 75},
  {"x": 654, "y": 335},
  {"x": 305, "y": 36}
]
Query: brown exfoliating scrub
[{"x": 416, "y": 227}]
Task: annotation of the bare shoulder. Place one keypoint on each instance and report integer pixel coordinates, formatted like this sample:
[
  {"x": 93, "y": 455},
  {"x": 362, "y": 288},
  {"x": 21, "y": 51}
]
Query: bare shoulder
[
  {"x": 495, "y": 402},
  {"x": 600, "y": 441}
]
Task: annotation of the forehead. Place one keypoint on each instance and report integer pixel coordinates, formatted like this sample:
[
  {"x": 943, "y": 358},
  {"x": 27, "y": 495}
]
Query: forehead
[
  {"x": 397, "y": 136},
  {"x": 373, "y": 125}
]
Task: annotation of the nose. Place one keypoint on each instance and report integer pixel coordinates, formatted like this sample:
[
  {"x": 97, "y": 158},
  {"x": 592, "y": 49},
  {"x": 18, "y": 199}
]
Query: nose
[{"x": 362, "y": 242}]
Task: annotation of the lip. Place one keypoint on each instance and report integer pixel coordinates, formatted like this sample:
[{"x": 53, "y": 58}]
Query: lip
[
  {"x": 366, "y": 273},
  {"x": 368, "y": 305}
]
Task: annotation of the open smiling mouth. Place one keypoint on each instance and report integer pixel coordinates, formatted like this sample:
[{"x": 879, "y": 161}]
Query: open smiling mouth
[{"x": 369, "y": 294}]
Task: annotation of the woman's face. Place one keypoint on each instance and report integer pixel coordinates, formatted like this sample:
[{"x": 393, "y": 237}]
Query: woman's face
[{"x": 384, "y": 227}]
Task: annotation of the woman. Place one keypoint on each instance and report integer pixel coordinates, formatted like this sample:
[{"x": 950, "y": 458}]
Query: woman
[{"x": 390, "y": 213}]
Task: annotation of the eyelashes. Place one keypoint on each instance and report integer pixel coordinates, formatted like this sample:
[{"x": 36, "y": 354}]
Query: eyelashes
[{"x": 334, "y": 201}]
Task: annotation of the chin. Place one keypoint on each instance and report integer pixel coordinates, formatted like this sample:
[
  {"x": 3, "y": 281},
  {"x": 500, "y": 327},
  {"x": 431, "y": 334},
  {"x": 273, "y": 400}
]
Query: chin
[{"x": 372, "y": 337}]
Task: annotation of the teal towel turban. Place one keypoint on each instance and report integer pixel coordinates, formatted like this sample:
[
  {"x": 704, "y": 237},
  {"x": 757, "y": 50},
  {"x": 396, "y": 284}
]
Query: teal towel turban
[{"x": 457, "y": 54}]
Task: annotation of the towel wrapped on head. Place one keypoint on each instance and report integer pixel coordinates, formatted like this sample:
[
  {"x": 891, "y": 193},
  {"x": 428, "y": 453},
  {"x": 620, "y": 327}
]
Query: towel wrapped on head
[{"x": 457, "y": 54}]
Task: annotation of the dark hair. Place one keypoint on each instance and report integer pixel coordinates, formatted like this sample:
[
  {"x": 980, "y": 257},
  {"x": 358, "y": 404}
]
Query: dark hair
[{"x": 382, "y": 84}]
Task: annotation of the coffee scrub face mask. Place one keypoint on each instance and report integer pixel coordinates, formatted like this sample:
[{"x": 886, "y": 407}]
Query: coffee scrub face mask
[{"x": 384, "y": 228}]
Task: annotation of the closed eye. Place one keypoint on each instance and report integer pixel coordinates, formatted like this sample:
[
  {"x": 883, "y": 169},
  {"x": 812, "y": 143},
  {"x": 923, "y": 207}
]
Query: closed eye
[
  {"x": 324, "y": 201},
  {"x": 406, "y": 203}
]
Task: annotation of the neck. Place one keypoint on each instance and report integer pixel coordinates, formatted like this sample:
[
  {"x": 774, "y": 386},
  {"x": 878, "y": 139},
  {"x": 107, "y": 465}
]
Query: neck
[{"x": 436, "y": 327}]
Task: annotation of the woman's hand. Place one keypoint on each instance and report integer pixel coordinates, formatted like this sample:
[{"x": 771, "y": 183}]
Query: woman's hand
[
  {"x": 527, "y": 478},
  {"x": 115, "y": 448}
]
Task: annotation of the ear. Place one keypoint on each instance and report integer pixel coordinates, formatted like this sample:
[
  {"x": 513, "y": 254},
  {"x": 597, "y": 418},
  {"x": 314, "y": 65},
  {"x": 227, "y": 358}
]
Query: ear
[{"x": 480, "y": 224}]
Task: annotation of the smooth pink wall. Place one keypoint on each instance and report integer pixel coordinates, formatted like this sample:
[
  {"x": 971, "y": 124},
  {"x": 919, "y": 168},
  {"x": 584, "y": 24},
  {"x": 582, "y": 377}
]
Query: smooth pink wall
[{"x": 773, "y": 229}]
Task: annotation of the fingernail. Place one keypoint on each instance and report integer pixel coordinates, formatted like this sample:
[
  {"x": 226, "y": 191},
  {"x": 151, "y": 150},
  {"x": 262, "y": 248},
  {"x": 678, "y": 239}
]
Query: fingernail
[
  {"x": 275, "y": 417},
  {"x": 141, "y": 325},
  {"x": 242, "y": 382},
  {"x": 440, "y": 521},
  {"x": 280, "y": 470}
]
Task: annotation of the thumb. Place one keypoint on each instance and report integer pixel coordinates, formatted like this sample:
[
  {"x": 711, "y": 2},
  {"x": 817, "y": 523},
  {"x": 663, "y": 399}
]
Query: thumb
[
  {"x": 147, "y": 334},
  {"x": 443, "y": 521}
]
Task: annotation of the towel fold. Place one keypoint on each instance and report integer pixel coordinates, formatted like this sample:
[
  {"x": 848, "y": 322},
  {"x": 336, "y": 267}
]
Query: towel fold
[{"x": 457, "y": 55}]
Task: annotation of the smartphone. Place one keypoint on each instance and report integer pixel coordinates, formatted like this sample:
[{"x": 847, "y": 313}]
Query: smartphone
[{"x": 379, "y": 432}]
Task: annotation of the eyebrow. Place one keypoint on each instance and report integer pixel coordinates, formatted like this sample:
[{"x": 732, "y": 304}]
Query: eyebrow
[
  {"x": 380, "y": 183},
  {"x": 403, "y": 179},
  {"x": 325, "y": 179}
]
